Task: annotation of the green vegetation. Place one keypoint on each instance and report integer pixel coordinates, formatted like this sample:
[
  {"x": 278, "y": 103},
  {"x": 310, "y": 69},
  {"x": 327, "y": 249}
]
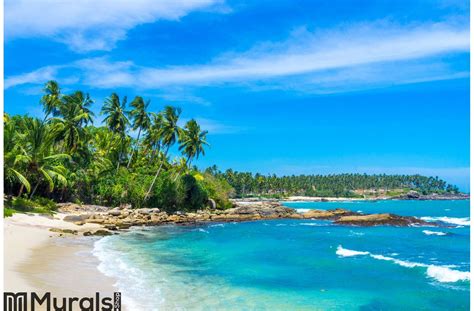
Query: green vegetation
[
  {"x": 66, "y": 157},
  {"x": 35, "y": 205},
  {"x": 247, "y": 184}
]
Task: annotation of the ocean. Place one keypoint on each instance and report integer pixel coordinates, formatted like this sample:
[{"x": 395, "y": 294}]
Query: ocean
[{"x": 297, "y": 264}]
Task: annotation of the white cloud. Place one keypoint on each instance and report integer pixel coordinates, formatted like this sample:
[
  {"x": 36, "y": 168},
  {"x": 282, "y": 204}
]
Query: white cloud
[
  {"x": 87, "y": 25},
  {"x": 215, "y": 127},
  {"x": 355, "y": 57}
]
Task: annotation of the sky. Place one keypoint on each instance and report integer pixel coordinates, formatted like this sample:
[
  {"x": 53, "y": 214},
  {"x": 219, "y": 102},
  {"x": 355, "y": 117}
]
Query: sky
[{"x": 284, "y": 87}]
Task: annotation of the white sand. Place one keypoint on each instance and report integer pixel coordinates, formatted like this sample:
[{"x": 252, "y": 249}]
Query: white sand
[{"x": 34, "y": 260}]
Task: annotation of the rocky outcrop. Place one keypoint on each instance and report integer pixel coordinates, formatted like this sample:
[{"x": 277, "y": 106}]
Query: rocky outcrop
[
  {"x": 124, "y": 217},
  {"x": 380, "y": 219},
  {"x": 414, "y": 195},
  {"x": 328, "y": 214}
]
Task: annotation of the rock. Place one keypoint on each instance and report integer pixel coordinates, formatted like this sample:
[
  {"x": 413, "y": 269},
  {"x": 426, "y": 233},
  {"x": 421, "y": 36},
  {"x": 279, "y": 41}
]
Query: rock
[
  {"x": 99, "y": 232},
  {"x": 328, "y": 214},
  {"x": 143, "y": 211},
  {"x": 115, "y": 212},
  {"x": 77, "y": 218},
  {"x": 212, "y": 204},
  {"x": 68, "y": 231},
  {"x": 380, "y": 219},
  {"x": 412, "y": 195}
]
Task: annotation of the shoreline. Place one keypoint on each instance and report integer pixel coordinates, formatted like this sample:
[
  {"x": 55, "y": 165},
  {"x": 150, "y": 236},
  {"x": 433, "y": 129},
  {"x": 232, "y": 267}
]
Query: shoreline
[
  {"x": 39, "y": 260},
  {"x": 40, "y": 250}
]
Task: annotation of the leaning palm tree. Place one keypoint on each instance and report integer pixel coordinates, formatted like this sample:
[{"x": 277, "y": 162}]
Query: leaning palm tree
[
  {"x": 141, "y": 119},
  {"x": 169, "y": 134},
  {"x": 52, "y": 98},
  {"x": 192, "y": 142},
  {"x": 116, "y": 119}
]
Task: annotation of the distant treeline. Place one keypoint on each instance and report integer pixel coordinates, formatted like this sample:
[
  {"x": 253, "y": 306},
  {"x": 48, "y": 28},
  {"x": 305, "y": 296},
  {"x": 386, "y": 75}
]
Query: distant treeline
[{"x": 339, "y": 185}]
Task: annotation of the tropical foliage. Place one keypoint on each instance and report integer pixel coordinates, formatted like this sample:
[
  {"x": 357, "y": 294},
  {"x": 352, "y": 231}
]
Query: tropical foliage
[
  {"x": 339, "y": 185},
  {"x": 124, "y": 160}
]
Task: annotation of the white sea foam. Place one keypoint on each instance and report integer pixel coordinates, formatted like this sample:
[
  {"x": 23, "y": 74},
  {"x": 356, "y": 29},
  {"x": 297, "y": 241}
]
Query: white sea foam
[
  {"x": 309, "y": 224},
  {"x": 217, "y": 225},
  {"x": 450, "y": 220},
  {"x": 343, "y": 252},
  {"x": 302, "y": 210},
  {"x": 114, "y": 265},
  {"x": 202, "y": 230},
  {"x": 442, "y": 274},
  {"x": 447, "y": 275},
  {"x": 428, "y": 232}
]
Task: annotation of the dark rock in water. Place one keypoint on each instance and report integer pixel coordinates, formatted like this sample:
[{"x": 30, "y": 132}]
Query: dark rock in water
[
  {"x": 328, "y": 214},
  {"x": 413, "y": 195},
  {"x": 381, "y": 219},
  {"x": 99, "y": 232}
]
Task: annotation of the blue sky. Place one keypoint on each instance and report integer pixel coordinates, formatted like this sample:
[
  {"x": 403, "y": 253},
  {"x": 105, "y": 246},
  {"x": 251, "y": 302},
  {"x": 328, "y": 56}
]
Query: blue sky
[{"x": 284, "y": 87}]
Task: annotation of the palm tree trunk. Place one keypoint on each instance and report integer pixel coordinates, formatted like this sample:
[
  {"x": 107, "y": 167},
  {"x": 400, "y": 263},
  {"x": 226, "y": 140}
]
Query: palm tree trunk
[
  {"x": 156, "y": 175},
  {"x": 181, "y": 169},
  {"x": 21, "y": 190},
  {"x": 34, "y": 189},
  {"x": 133, "y": 150},
  {"x": 120, "y": 155}
]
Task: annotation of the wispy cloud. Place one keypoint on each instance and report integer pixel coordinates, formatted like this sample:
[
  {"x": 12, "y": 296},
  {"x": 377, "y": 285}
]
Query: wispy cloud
[
  {"x": 86, "y": 25},
  {"x": 358, "y": 56},
  {"x": 215, "y": 127}
]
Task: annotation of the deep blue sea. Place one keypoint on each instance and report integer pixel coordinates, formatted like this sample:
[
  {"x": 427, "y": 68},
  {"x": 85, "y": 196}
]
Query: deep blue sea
[{"x": 297, "y": 264}]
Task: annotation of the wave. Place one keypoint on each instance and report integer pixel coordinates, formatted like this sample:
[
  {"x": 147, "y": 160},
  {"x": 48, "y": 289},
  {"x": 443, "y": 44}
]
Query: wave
[
  {"x": 302, "y": 210},
  {"x": 348, "y": 253},
  {"x": 428, "y": 232},
  {"x": 450, "y": 220},
  {"x": 202, "y": 230},
  {"x": 130, "y": 280},
  {"x": 443, "y": 274}
]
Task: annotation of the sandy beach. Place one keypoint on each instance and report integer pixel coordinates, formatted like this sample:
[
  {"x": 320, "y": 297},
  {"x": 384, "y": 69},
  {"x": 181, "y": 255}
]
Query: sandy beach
[{"x": 37, "y": 259}]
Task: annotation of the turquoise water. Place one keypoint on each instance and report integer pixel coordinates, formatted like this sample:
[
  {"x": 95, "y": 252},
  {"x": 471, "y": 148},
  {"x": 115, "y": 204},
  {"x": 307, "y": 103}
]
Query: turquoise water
[{"x": 297, "y": 264}]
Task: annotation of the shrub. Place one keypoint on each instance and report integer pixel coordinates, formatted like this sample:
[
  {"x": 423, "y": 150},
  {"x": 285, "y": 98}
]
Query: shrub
[{"x": 194, "y": 196}]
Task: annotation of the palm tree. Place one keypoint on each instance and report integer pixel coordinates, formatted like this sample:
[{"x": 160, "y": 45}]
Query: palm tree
[
  {"x": 169, "y": 134},
  {"x": 75, "y": 114},
  {"x": 14, "y": 155},
  {"x": 192, "y": 141},
  {"x": 116, "y": 118},
  {"x": 42, "y": 160},
  {"x": 141, "y": 119},
  {"x": 52, "y": 99},
  {"x": 152, "y": 139}
]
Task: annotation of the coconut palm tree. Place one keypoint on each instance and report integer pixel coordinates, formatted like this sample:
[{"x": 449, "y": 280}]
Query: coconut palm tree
[
  {"x": 141, "y": 119},
  {"x": 14, "y": 157},
  {"x": 152, "y": 139},
  {"x": 116, "y": 119},
  {"x": 74, "y": 114},
  {"x": 192, "y": 142},
  {"x": 169, "y": 134},
  {"x": 52, "y": 98},
  {"x": 42, "y": 161}
]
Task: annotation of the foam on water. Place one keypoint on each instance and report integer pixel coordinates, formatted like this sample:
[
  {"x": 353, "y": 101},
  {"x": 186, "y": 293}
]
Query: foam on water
[
  {"x": 428, "y": 232},
  {"x": 465, "y": 221},
  {"x": 442, "y": 274},
  {"x": 348, "y": 253}
]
